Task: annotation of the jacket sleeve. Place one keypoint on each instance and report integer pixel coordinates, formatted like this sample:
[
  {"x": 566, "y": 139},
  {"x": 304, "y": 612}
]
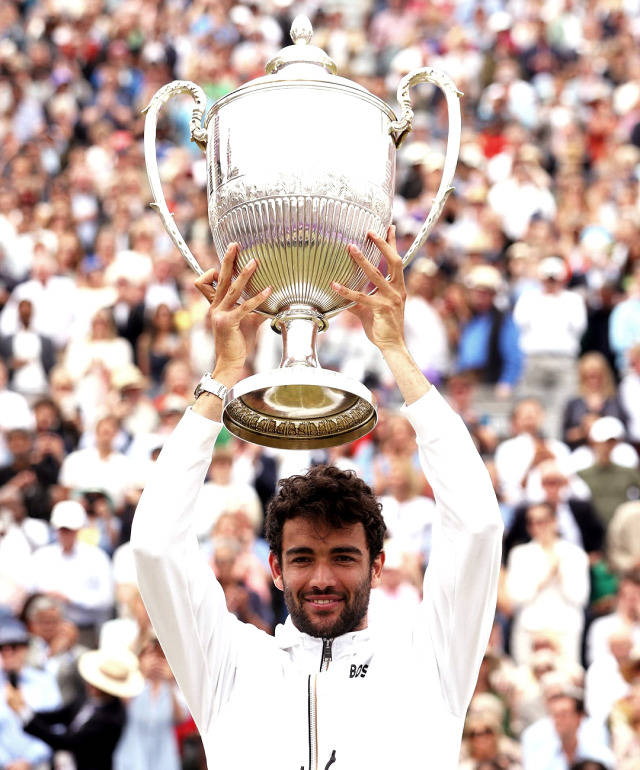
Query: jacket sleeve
[
  {"x": 461, "y": 581},
  {"x": 184, "y": 600}
]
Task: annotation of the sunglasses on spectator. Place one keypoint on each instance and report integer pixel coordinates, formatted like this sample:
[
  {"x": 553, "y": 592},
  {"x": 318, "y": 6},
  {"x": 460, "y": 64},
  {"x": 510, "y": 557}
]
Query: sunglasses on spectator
[{"x": 12, "y": 646}]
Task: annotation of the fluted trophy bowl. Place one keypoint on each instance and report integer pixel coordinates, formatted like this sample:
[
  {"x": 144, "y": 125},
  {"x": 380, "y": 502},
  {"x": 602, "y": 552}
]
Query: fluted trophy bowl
[{"x": 301, "y": 163}]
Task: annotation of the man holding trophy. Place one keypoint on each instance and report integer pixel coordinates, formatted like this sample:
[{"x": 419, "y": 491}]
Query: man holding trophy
[
  {"x": 325, "y": 691},
  {"x": 300, "y": 178}
]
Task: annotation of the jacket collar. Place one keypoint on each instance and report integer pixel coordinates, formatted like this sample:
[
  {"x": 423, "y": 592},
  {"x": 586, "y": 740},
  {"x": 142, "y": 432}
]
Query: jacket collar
[{"x": 292, "y": 640}]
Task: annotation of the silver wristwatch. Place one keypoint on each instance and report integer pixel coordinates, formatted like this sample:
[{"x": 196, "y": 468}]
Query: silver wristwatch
[{"x": 208, "y": 385}]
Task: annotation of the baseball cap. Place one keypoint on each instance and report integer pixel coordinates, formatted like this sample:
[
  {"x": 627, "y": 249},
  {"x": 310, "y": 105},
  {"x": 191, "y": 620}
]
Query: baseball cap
[
  {"x": 553, "y": 267},
  {"x": 606, "y": 429},
  {"x": 68, "y": 514},
  {"x": 484, "y": 277},
  {"x": 12, "y": 631}
]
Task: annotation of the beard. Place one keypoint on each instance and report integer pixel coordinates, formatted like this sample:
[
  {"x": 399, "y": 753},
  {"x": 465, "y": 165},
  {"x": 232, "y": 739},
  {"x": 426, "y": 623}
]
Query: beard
[{"x": 353, "y": 611}]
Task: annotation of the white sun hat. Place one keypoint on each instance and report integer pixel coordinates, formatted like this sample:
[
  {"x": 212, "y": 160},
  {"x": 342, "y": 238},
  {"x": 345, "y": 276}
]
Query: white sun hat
[{"x": 114, "y": 671}]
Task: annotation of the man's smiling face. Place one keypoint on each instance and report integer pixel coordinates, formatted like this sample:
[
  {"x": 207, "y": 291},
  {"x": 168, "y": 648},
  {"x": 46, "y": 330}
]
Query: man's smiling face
[{"x": 326, "y": 575}]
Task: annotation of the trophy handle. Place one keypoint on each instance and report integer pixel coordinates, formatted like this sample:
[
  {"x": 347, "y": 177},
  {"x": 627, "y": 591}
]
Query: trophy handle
[
  {"x": 198, "y": 135},
  {"x": 400, "y": 128}
]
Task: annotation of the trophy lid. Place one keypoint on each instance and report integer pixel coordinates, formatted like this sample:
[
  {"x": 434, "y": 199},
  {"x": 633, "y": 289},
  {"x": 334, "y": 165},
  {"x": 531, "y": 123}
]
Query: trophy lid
[{"x": 301, "y": 52}]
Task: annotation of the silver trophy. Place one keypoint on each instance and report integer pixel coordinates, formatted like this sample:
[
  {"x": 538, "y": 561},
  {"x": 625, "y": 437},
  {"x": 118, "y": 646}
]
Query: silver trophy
[{"x": 300, "y": 164}]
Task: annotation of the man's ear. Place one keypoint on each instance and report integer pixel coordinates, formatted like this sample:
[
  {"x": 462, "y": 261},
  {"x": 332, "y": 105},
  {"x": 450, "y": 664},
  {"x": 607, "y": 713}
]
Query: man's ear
[
  {"x": 376, "y": 569},
  {"x": 276, "y": 571}
]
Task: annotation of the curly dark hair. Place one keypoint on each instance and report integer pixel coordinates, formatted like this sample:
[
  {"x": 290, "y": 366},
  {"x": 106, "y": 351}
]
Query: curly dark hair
[{"x": 327, "y": 494}]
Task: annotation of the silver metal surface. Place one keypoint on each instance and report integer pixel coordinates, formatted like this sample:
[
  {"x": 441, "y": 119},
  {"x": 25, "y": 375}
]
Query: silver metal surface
[{"x": 301, "y": 163}]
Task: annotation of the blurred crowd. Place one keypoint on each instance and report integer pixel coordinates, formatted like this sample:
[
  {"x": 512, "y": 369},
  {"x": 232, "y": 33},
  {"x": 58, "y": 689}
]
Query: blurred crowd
[{"x": 524, "y": 308}]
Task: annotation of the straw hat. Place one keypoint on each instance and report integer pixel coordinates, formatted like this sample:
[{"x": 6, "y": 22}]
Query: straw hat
[{"x": 115, "y": 672}]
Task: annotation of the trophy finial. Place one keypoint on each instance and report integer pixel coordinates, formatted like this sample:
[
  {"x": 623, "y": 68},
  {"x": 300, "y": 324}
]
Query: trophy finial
[{"x": 301, "y": 30}]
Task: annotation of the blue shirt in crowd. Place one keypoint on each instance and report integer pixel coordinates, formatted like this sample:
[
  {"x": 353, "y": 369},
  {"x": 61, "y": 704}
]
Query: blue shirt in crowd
[{"x": 473, "y": 350}]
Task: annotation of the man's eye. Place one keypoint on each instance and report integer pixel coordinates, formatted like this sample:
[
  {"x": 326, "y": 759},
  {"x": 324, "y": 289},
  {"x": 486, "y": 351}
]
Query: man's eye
[
  {"x": 301, "y": 560},
  {"x": 344, "y": 558}
]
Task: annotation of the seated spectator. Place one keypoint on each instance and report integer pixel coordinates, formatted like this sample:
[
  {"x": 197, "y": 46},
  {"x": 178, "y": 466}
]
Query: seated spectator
[
  {"x": 100, "y": 467},
  {"x": 397, "y": 596},
  {"x": 489, "y": 346},
  {"x": 625, "y": 729},
  {"x": 630, "y": 394},
  {"x": 90, "y": 728},
  {"x": 551, "y": 322},
  {"x": 14, "y": 558},
  {"x": 159, "y": 344},
  {"x": 54, "y": 644},
  {"x": 130, "y": 629},
  {"x": 407, "y": 514},
  {"x": 610, "y": 484},
  {"x": 102, "y": 347},
  {"x": 148, "y": 741},
  {"x": 242, "y": 601},
  {"x": 484, "y": 741},
  {"x": 624, "y": 619},
  {"x": 75, "y": 573},
  {"x": 517, "y": 456},
  {"x": 222, "y": 493},
  {"x": 426, "y": 334},
  {"x": 597, "y": 397},
  {"x": 548, "y": 583},
  {"x": 605, "y": 681},
  {"x": 623, "y": 538},
  {"x": 460, "y": 394},
  {"x": 29, "y": 355},
  {"x": 39, "y": 691},
  {"x": 32, "y": 471},
  {"x": 565, "y": 736},
  {"x": 624, "y": 324},
  {"x": 622, "y": 454},
  {"x": 131, "y": 404},
  {"x": 577, "y": 520}
]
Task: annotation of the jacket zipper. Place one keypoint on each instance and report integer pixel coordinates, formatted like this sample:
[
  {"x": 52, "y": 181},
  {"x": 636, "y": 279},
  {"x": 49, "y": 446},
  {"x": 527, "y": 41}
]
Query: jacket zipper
[
  {"x": 312, "y": 704},
  {"x": 326, "y": 654},
  {"x": 313, "y": 723}
]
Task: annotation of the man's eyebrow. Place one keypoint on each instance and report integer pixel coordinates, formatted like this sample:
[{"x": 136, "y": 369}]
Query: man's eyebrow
[{"x": 338, "y": 549}]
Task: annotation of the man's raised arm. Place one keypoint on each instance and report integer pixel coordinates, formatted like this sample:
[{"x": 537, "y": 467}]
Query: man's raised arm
[
  {"x": 185, "y": 602},
  {"x": 461, "y": 582}
]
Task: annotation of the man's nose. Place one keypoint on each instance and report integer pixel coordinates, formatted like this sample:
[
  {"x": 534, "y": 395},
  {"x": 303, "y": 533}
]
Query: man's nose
[{"x": 322, "y": 577}]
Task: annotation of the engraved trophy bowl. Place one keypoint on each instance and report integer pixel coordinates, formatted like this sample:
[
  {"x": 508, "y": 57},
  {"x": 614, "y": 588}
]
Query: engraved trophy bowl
[{"x": 300, "y": 164}]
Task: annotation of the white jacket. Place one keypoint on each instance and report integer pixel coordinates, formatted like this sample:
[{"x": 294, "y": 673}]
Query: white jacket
[{"x": 382, "y": 702}]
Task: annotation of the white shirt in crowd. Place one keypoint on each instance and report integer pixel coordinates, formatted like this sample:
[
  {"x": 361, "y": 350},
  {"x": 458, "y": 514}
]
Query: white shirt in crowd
[
  {"x": 513, "y": 460},
  {"x": 83, "y": 576},
  {"x": 426, "y": 336},
  {"x": 85, "y": 469},
  {"x": 603, "y": 686},
  {"x": 602, "y": 629},
  {"x": 557, "y": 604},
  {"x": 550, "y": 323},
  {"x": 409, "y": 523},
  {"x": 53, "y": 308},
  {"x": 629, "y": 392}
]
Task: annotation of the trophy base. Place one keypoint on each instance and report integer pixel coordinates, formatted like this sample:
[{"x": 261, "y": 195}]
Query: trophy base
[{"x": 299, "y": 407}]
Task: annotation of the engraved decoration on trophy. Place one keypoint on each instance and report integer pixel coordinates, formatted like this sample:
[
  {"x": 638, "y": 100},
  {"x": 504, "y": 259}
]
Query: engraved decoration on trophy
[{"x": 300, "y": 164}]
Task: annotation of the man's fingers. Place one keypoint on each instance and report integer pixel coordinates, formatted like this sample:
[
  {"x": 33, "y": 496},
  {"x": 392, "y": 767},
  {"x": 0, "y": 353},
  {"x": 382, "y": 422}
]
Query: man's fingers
[
  {"x": 352, "y": 296},
  {"x": 226, "y": 269},
  {"x": 249, "y": 305},
  {"x": 389, "y": 251},
  {"x": 231, "y": 296},
  {"x": 205, "y": 284},
  {"x": 372, "y": 272}
]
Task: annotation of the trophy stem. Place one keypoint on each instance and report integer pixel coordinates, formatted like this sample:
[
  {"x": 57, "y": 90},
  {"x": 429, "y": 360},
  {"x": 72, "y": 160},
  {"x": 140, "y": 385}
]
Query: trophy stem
[{"x": 299, "y": 328}]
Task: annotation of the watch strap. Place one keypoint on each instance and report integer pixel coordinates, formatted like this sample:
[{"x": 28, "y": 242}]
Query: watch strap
[{"x": 208, "y": 385}]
